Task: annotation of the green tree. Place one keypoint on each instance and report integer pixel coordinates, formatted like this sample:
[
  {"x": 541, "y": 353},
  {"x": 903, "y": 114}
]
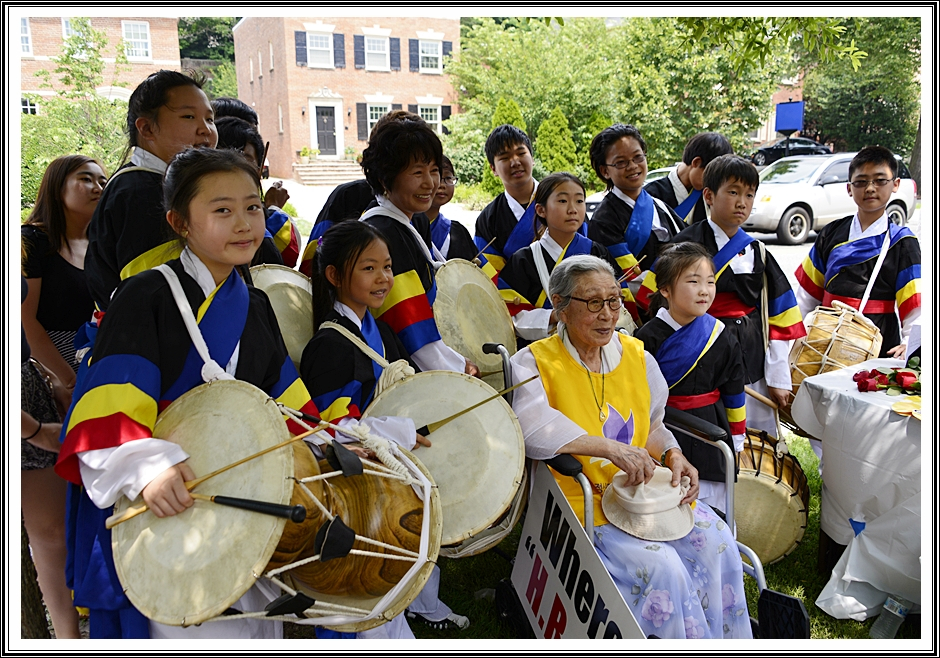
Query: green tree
[
  {"x": 507, "y": 111},
  {"x": 554, "y": 145},
  {"x": 222, "y": 81},
  {"x": 878, "y": 104},
  {"x": 464, "y": 146},
  {"x": 595, "y": 124},
  {"x": 207, "y": 38},
  {"x": 77, "y": 119}
]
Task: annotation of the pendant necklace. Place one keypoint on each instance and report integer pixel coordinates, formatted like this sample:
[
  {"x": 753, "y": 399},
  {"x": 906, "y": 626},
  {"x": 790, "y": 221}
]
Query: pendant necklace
[{"x": 601, "y": 406}]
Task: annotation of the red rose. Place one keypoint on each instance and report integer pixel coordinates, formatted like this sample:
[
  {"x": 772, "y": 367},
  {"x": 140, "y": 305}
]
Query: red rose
[
  {"x": 906, "y": 379},
  {"x": 860, "y": 375},
  {"x": 874, "y": 373},
  {"x": 882, "y": 379},
  {"x": 868, "y": 385}
]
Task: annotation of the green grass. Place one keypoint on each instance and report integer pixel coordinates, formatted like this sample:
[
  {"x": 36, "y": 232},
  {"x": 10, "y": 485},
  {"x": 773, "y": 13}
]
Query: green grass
[{"x": 467, "y": 583}]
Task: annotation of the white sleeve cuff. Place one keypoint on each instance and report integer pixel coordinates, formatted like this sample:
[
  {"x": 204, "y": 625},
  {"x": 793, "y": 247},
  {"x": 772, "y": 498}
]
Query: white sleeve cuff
[
  {"x": 438, "y": 356},
  {"x": 777, "y": 365},
  {"x": 125, "y": 470}
]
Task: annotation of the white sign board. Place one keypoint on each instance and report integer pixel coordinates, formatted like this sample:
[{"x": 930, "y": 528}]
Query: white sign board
[{"x": 564, "y": 588}]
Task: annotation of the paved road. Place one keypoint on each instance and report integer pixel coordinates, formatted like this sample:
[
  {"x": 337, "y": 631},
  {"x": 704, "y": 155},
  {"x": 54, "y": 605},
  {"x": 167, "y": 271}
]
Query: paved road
[{"x": 310, "y": 199}]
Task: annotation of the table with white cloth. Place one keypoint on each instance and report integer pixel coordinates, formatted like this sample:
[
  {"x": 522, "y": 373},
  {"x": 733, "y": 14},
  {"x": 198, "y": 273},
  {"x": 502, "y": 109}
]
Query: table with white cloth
[{"x": 871, "y": 473}]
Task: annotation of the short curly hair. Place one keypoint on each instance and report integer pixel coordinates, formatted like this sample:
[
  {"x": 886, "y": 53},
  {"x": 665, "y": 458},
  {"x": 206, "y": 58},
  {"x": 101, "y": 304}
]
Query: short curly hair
[{"x": 394, "y": 146}]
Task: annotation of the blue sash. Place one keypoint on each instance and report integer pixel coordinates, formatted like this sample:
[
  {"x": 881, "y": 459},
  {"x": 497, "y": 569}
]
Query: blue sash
[
  {"x": 680, "y": 352},
  {"x": 686, "y": 206},
  {"x": 641, "y": 223},
  {"x": 524, "y": 232},
  {"x": 440, "y": 229},
  {"x": 858, "y": 251},
  {"x": 221, "y": 326},
  {"x": 370, "y": 331},
  {"x": 734, "y": 247}
]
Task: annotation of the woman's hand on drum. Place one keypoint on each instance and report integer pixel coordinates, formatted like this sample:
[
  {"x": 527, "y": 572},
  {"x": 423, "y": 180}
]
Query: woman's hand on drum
[
  {"x": 470, "y": 368},
  {"x": 679, "y": 465},
  {"x": 166, "y": 494},
  {"x": 780, "y": 395},
  {"x": 421, "y": 441}
]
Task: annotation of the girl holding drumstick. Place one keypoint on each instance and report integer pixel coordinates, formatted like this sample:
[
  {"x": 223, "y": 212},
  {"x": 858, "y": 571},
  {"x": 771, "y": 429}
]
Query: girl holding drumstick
[
  {"x": 352, "y": 276},
  {"x": 144, "y": 358}
]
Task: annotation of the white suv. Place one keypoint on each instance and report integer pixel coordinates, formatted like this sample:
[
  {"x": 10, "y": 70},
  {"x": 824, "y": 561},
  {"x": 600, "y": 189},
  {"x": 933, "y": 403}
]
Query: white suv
[{"x": 803, "y": 193}]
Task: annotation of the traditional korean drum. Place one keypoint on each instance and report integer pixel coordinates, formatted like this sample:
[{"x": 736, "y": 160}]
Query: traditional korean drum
[
  {"x": 469, "y": 312},
  {"x": 771, "y": 498},
  {"x": 190, "y": 568},
  {"x": 477, "y": 460},
  {"x": 291, "y": 298}
]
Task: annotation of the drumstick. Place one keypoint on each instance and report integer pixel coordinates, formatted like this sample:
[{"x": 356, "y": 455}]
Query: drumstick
[
  {"x": 483, "y": 249},
  {"x": 131, "y": 512},
  {"x": 264, "y": 156},
  {"x": 628, "y": 272},
  {"x": 760, "y": 398},
  {"x": 431, "y": 427},
  {"x": 295, "y": 513}
]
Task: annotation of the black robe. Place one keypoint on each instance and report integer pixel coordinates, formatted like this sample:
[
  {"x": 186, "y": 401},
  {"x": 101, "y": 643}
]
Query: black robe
[{"x": 661, "y": 188}]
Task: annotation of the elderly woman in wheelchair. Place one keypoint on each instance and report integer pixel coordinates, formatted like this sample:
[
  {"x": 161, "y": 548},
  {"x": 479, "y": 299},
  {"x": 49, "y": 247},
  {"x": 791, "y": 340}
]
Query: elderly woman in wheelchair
[{"x": 600, "y": 397}]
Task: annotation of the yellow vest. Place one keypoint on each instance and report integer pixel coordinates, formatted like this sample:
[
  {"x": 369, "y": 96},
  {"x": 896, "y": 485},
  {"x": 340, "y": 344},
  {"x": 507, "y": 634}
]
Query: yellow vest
[{"x": 627, "y": 397}]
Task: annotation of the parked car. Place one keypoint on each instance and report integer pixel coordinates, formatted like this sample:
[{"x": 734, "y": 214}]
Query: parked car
[
  {"x": 798, "y": 146},
  {"x": 595, "y": 199},
  {"x": 804, "y": 193}
]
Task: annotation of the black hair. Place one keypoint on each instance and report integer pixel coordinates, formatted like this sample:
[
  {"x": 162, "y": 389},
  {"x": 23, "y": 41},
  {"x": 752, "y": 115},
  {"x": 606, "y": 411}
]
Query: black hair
[
  {"x": 187, "y": 169},
  {"x": 542, "y": 193},
  {"x": 729, "y": 167},
  {"x": 150, "y": 95},
  {"x": 706, "y": 146},
  {"x": 447, "y": 164},
  {"x": 604, "y": 140},
  {"x": 235, "y": 133},
  {"x": 48, "y": 213},
  {"x": 673, "y": 260},
  {"x": 232, "y": 107},
  {"x": 875, "y": 155},
  {"x": 394, "y": 146},
  {"x": 340, "y": 246},
  {"x": 503, "y": 138}
]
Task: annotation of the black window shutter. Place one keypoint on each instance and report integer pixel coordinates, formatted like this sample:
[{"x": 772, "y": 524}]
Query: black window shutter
[
  {"x": 394, "y": 53},
  {"x": 414, "y": 57},
  {"x": 396, "y": 106},
  {"x": 362, "y": 121},
  {"x": 447, "y": 48},
  {"x": 300, "y": 45},
  {"x": 359, "y": 53},
  {"x": 445, "y": 115},
  {"x": 413, "y": 109},
  {"x": 339, "y": 51}
]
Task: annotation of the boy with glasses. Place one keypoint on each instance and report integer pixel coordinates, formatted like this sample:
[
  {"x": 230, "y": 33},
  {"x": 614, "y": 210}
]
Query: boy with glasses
[
  {"x": 848, "y": 252},
  {"x": 682, "y": 188},
  {"x": 451, "y": 238}
]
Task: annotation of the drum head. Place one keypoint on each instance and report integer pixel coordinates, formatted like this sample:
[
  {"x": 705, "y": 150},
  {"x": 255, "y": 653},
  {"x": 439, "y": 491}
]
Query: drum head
[
  {"x": 291, "y": 298},
  {"x": 469, "y": 312},
  {"x": 476, "y": 460},
  {"x": 771, "y": 499},
  {"x": 188, "y": 568}
]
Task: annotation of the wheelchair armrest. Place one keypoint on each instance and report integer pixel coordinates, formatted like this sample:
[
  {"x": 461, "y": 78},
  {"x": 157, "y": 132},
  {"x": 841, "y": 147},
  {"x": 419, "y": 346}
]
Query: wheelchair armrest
[
  {"x": 694, "y": 425},
  {"x": 565, "y": 464}
]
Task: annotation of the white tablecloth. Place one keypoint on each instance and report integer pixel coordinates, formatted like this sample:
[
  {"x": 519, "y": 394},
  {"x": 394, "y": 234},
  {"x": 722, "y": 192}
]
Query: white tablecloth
[{"x": 871, "y": 467}]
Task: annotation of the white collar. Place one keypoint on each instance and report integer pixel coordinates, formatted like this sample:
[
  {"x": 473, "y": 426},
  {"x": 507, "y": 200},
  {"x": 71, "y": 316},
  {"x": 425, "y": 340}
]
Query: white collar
[
  {"x": 611, "y": 353},
  {"x": 664, "y": 315},
  {"x": 721, "y": 238},
  {"x": 623, "y": 197},
  {"x": 348, "y": 313},
  {"x": 143, "y": 158},
  {"x": 879, "y": 227},
  {"x": 195, "y": 268},
  {"x": 677, "y": 187},
  {"x": 515, "y": 206},
  {"x": 552, "y": 248},
  {"x": 389, "y": 209}
]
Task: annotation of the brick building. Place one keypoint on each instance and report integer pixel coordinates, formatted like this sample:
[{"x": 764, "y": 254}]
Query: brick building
[
  {"x": 323, "y": 82},
  {"x": 150, "y": 44}
]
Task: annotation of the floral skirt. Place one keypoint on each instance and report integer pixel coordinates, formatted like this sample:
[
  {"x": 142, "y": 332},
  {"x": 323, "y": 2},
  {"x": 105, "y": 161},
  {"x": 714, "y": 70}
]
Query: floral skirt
[
  {"x": 38, "y": 402},
  {"x": 687, "y": 588}
]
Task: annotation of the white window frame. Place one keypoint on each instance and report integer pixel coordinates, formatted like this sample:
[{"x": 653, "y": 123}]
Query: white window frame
[
  {"x": 149, "y": 44},
  {"x": 385, "y": 107},
  {"x": 26, "y": 38},
  {"x": 251, "y": 70},
  {"x": 271, "y": 55},
  {"x": 439, "y": 69},
  {"x": 28, "y": 107},
  {"x": 436, "y": 123},
  {"x": 387, "y": 65},
  {"x": 329, "y": 49},
  {"x": 260, "y": 64},
  {"x": 67, "y": 30},
  {"x": 280, "y": 119}
]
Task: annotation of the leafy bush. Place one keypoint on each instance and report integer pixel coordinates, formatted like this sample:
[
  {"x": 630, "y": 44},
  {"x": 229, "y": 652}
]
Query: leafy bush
[
  {"x": 472, "y": 197},
  {"x": 464, "y": 146},
  {"x": 554, "y": 144}
]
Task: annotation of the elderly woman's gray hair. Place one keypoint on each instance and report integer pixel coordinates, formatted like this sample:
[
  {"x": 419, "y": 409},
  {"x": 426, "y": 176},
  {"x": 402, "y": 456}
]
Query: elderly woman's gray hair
[{"x": 565, "y": 276}]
